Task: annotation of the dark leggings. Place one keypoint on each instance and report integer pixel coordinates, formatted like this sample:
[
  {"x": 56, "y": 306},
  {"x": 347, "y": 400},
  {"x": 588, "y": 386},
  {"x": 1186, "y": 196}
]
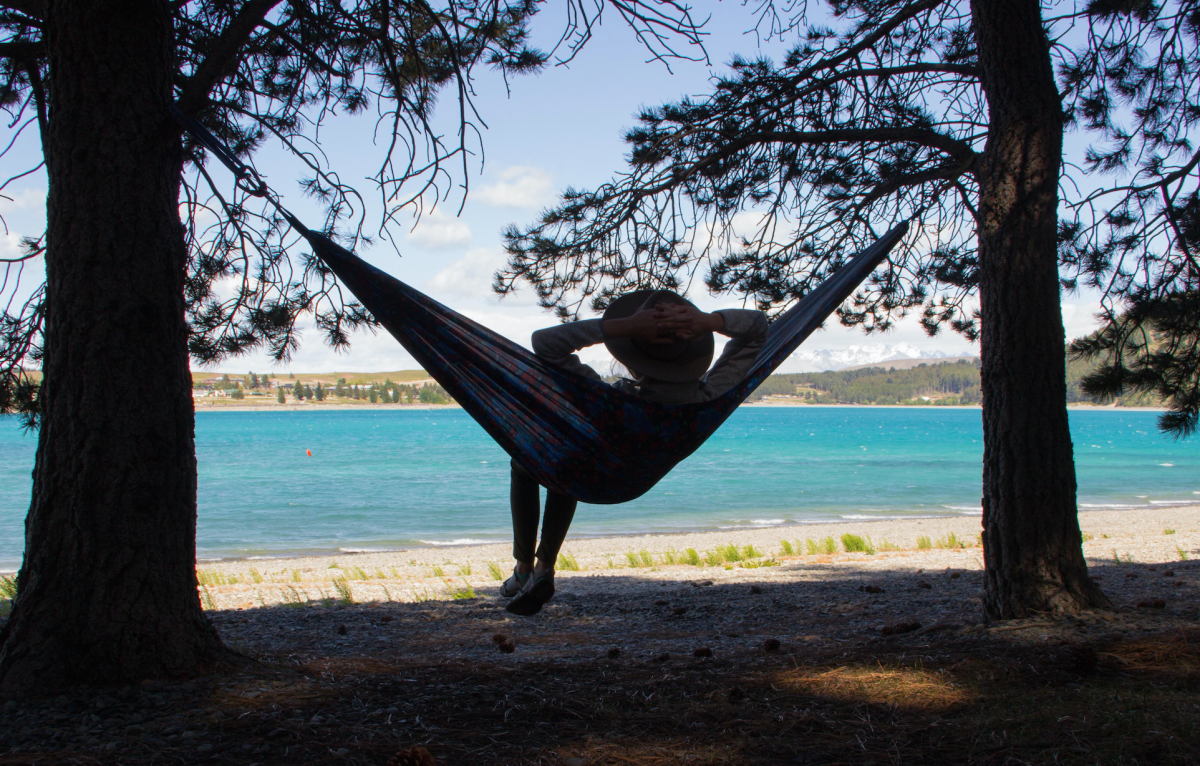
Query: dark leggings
[{"x": 560, "y": 509}]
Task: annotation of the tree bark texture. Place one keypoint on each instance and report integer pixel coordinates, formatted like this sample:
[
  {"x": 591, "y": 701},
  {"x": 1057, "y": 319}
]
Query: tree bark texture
[
  {"x": 108, "y": 583},
  {"x": 1031, "y": 540}
]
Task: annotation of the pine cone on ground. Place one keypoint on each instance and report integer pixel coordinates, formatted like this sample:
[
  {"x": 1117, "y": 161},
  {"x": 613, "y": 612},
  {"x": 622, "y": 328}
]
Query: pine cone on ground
[{"x": 414, "y": 756}]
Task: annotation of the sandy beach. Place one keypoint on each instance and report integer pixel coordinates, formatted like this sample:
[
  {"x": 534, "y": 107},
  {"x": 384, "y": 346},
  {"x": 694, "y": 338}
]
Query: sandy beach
[{"x": 791, "y": 558}]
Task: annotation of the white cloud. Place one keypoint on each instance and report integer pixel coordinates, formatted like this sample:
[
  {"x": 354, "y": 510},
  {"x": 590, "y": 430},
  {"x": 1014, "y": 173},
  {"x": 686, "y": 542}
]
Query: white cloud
[
  {"x": 381, "y": 352},
  {"x": 1079, "y": 319},
  {"x": 10, "y": 245},
  {"x": 25, "y": 199},
  {"x": 519, "y": 186},
  {"x": 517, "y": 326},
  {"x": 467, "y": 282},
  {"x": 368, "y": 352},
  {"x": 469, "y": 276},
  {"x": 438, "y": 231}
]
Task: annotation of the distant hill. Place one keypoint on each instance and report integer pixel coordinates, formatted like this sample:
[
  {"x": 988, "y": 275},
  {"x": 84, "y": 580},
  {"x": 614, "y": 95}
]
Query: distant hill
[
  {"x": 913, "y": 382},
  {"x": 945, "y": 383},
  {"x": 908, "y": 364},
  {"x": 855, "y": 356}
]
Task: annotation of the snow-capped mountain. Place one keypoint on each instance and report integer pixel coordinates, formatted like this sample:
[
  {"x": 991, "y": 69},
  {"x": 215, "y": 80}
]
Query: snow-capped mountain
[{"x": 819, "y": 360}]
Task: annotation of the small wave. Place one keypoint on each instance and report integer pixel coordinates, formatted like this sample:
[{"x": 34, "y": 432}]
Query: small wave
[
  {"x": 1167, "y": 465},
  {"x": 967, "y": 508},
  {"x": 350, "y": 550},
  {"x": 1171, "y": 502},
  {"x": 1108, "y": 505},
  {"x": 768, "y": 522},
  {"x": 881, "y": 516},
  {"x": 458, "y": 541}
]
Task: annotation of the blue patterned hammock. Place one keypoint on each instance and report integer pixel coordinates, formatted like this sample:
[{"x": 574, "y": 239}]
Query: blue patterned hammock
[{"x": 573, "y": 434}]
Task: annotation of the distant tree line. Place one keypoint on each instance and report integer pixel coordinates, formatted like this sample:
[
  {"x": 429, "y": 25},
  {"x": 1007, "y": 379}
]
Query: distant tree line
[
  {"x": 251, "y": 382},
  {"x": 946, "y": 383},
  {"x": 386, "y": 392}
]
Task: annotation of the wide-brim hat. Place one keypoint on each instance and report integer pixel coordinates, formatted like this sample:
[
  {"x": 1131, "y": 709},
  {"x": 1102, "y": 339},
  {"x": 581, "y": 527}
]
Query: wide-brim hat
[{"x": 680, "y": 361}]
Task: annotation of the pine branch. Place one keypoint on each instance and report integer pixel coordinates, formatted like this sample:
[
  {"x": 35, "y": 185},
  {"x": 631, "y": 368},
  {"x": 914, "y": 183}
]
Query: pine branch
[
  {"x": 965, "y": 70},
  {"x": 311, "y": 57},
  {"x": 223, "y": 55},
  {"x": 893, "y": 185},
  {"x": 23, "y": 50},
  {"x": 958, "y": 149},
  {"x": 869, "y": 41},
  {"x": 34, "y": 9}
]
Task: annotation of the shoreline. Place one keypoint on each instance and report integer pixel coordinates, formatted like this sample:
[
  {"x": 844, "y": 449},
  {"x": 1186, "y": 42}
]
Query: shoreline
[
  {"x": 959, "y": 523},
  {"x": 1071, "y": 406},
  {"x": 1152, "y": 536},
  {"x": 795, "y": 526},
  {"x": 263, "y": 407},
  {"x": 256, "y": 407}
]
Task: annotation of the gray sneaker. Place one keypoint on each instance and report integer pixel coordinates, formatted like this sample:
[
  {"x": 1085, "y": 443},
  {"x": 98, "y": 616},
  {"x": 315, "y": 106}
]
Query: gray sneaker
[{"x": 514, "y": 584}]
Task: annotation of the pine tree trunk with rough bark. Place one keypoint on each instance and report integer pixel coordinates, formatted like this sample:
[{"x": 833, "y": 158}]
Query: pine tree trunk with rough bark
[
  {"x": 1031, "y": 540},
  {"x": 108, "y": 584}
]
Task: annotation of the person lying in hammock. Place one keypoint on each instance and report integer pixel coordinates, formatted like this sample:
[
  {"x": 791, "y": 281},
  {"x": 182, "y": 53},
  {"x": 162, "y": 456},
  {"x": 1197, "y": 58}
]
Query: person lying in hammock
[{"x": 666, "y": 343}]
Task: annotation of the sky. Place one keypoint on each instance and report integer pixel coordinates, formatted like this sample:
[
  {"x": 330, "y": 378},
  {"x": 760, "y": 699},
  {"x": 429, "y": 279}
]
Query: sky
[{"x": 557, "y": 129}]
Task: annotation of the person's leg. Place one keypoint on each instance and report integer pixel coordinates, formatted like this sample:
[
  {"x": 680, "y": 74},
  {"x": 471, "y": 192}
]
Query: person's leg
[
  {"x": 560, "y": 510},
  {"x": 524, "y": 499}
]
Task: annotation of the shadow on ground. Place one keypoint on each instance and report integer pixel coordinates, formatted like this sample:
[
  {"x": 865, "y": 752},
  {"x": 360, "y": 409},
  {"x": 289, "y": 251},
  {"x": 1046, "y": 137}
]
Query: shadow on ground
[{"x": 649, "y": 673}]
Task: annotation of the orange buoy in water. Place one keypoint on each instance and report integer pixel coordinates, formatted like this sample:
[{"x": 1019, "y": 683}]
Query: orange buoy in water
[{"x": 309, "y": 452}]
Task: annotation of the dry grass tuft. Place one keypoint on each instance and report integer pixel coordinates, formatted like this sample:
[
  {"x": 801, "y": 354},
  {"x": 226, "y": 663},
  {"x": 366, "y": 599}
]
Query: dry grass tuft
[
  {"x": 661, "y": 752},
  {"x": 1173, "y": 654},
  {"x": 898, "y": 685},
  {"x": 413, "y": 756},
  {"x": 336, "y": 668}
]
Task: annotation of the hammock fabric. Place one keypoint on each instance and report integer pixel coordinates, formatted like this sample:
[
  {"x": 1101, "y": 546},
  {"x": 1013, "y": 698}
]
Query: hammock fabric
[
  {"x": 578, "y": 436},
  {"x": 573, "y": 434}
]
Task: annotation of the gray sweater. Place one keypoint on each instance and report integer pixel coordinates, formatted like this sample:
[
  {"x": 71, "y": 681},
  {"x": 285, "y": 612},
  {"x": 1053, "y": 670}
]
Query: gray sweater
[{"x": 747, "y": 330}]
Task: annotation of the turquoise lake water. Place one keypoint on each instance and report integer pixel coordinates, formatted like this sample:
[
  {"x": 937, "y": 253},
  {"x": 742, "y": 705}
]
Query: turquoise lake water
[{"x": 396, "y": 478}]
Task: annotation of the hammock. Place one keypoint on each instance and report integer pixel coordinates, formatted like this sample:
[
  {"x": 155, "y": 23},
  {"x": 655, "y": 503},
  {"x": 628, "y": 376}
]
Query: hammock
[{"x": 575, "y": 435}]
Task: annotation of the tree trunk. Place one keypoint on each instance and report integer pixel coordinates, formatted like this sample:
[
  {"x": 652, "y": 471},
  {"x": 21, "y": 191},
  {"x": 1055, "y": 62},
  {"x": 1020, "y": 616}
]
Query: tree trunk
[
  {"x": 108, "y": 584},
  {"x": 1031, "y": 540}
]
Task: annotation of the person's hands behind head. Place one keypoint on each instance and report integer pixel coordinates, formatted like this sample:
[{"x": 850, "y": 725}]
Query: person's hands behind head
[
  {"x": 681, "y": 320},
  {"x": 664, "y": 323},
  {"x": 642, "y": 326}
]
